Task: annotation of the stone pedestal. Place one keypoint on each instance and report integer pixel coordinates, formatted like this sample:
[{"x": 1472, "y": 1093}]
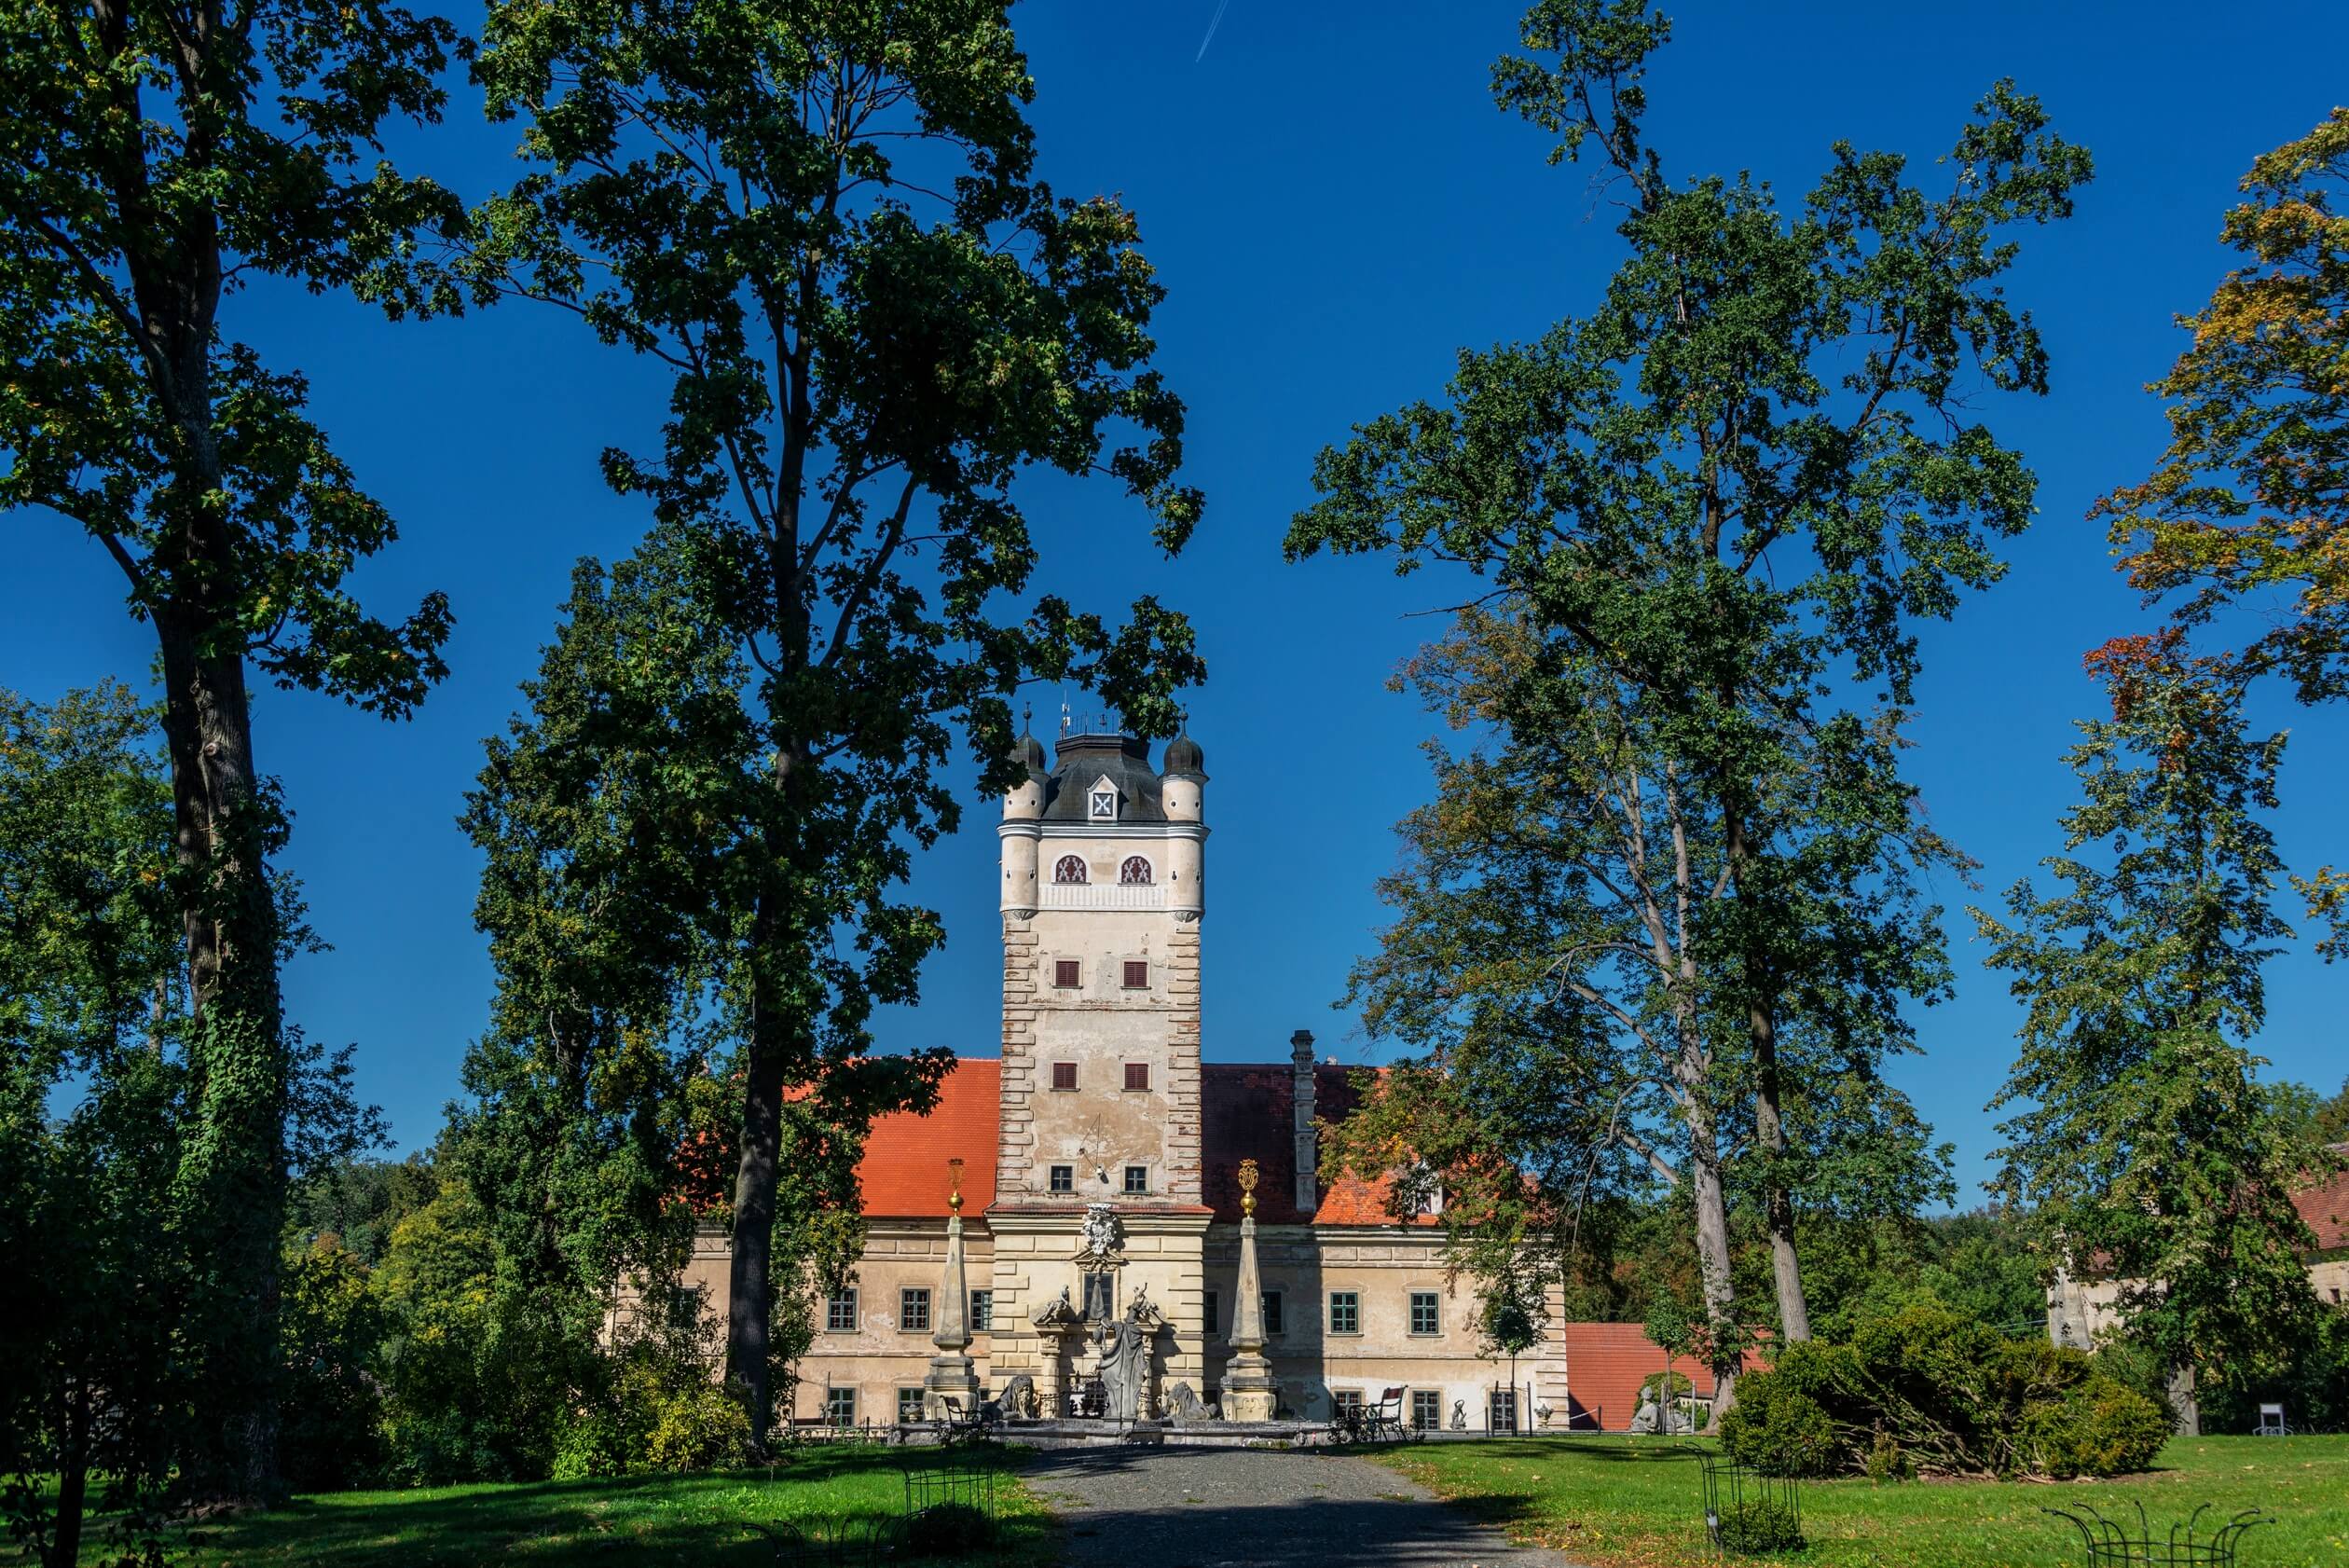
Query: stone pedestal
[
  {"x": 1250, "y": 1392},
  {"x": 952, "y": 1374}
]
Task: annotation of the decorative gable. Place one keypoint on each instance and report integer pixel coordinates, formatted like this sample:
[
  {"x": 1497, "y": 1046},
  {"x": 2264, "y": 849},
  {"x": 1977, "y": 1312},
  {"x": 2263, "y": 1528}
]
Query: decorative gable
[{"x": 1101, "y": 801}]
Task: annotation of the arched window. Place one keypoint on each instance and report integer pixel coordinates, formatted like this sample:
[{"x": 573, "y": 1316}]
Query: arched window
[
  {"x": 1135, "y": 873},
  {"x": 1069, "y": 868}
]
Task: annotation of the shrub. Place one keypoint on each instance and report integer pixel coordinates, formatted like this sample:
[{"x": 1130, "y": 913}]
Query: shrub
[
  {"x": 1926, "y": 1389},
  {"x": 1778, "y": 1427}
]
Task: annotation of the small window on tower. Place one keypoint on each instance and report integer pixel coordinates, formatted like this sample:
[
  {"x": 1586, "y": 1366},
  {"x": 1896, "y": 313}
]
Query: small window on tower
[
  {"x": 1063, "y": 1178},
  {"x": 1138, "y": 1180},
  {"x": 1135, "y": 873},
  {"x": 1105, "y": 805},
  {"x": 1064, "y": 1075},
  {"x": 1137, "y": 1075},
  {"x": 1137, "y": 974},
  {"x": 1066, "y": 974},
  {"x": 1069, "y": 868}
]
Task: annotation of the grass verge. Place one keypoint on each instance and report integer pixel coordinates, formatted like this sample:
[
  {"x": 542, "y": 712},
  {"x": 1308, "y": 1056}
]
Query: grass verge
[
  {"x": 1635, "y": 1503},
  {"x": 730, "y": 1520}
]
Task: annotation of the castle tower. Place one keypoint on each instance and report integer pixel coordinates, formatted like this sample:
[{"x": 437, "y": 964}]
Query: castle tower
[{"x": 1104, "y": 865}]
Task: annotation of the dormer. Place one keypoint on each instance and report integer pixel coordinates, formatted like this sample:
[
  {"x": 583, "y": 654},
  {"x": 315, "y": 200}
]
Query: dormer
[{"x": 1101, "y": 799}]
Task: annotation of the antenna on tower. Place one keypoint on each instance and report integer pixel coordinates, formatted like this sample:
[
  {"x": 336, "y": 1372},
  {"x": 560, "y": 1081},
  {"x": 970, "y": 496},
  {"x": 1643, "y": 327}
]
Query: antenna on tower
[{"x": 1064, "y": 731}]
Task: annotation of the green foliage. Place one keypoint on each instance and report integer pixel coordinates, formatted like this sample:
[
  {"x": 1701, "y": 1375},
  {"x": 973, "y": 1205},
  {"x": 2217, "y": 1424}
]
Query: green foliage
[
  {"x": 1761, "y": 1528},
  {"x": 2141, "y": 1140},
  {"x": 876, "y": 317},
  {"x": 153, "y": 161},
  {"x": 482, "y": 1372},
  {"x": 93, "y": 1098},
  {"x": 662, "y": 1405},
  {"x": 333, "y": 1323},
  {"x": 1720, "y": 503},
  {"x": 1926, "y": 1389}
]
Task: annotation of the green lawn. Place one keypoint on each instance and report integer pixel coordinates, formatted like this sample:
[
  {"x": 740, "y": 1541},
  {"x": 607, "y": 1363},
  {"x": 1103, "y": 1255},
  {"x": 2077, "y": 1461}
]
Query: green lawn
[
  {"x": 1632, "y": 1503},
  {"x": 707, "y": 1521}
]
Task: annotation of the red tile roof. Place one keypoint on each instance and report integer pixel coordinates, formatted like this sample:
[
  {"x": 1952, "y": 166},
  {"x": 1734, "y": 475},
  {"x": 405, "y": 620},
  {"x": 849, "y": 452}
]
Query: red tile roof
[
  {"x": 2324, "y": 1206},
  {"x": 903, "y": 1173},
  {"x": 1606, "y": 1363}
]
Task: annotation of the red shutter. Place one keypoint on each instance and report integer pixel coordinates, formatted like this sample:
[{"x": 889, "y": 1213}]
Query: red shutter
[
  {"x": 1064, "y": 1075},
  {"x": 1137, "y": 1075},
  {"x": 1065, "y": 973},
  {"x": 1137, "y": 973}
]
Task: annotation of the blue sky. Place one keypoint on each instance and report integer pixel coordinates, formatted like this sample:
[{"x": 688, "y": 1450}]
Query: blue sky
[{"x": 1336, "y": 208}]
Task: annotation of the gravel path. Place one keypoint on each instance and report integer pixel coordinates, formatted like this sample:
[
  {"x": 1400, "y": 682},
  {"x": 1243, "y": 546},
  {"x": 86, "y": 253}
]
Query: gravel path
[{"x": 1178, "y": 1507}]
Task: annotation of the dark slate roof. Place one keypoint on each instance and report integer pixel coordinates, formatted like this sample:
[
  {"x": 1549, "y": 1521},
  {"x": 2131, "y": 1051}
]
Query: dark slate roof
[
  {"x": 1084, "y": 758},
  {"x": 1184, "y": 759}
]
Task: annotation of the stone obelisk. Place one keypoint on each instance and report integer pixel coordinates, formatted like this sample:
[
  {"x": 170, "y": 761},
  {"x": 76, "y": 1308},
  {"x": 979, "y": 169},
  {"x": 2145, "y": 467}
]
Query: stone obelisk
[
  {"x": 1249, "y": 1389},
  {"x": 951, "y": 1374}
]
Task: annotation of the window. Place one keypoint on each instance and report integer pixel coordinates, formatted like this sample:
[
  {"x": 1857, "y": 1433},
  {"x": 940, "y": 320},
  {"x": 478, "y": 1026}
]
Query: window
[
  {"x": 909, "y": 1404},
  {"x": 1271, "y": 1303},
  {"x": 1135, "y": 873},
  {"x": 1208, "y": 1312},
  {"x": 1069, "y": 869},
  {"x": 1504, "y": 1409},
  {"x": 1427, "y": 1318},
  {"x": 1346, "y": 1399},
  {"x": 840, "y": 1406},
  {"x": 1427, "y": 1410},
  {"x": 840, "y": 1313},
  {"x": 1100, "y": 1297},
  {"x": 1137, "y": 1177},
  {"x": 1064, "y": 1075},
  {"x": 1137, "y": 974},
  {"x": 982, "y": 1310},
  {"x": 1063, "y": 1178},
  {"x": 1345, "y": 1311},
  {"x": 912, "y": 1311},
  {"x": 1137, "y": 1075},
  {"x": 1068, "y": 974},
  {"x": 1103, "y": 802}
]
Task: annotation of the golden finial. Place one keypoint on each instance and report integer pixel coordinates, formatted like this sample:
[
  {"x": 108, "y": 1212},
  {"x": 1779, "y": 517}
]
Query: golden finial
[
  {"x": 1247, "y": 1186},
  {"x": 953, "y": 1178}
]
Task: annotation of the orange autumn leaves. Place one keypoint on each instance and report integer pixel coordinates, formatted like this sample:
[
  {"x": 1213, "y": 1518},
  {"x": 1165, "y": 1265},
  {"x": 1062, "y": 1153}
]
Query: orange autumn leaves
[{"x": 2249, "y": 503}]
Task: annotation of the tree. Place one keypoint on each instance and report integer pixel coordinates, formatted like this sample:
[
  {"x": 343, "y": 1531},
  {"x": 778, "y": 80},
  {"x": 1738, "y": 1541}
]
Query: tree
[
  {"x": 2250, "y": 497},
  {"x": 153, "y": 160},
  {"x": 1558, "y": 957},
  {"x": 92, "y": 1006},
  {"x": 2139, "y": 1135},
  {"x": 825, "y": 223},
  {"x": 1738, "y": 482}
]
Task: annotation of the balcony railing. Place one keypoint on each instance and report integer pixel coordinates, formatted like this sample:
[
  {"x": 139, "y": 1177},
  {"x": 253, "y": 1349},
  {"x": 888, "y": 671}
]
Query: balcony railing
[{"x": 1100, "y": 895}]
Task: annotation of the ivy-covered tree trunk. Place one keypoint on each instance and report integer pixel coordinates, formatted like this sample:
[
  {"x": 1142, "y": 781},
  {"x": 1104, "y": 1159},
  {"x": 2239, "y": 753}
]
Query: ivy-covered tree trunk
[
  {"x": 231, "y": 1193},
  {"x": 151, "y": 154}
]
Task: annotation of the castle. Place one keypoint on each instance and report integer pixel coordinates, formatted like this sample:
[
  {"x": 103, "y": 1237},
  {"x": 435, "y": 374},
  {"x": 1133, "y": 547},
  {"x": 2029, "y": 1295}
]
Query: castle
[{"x": 1091, "y": 1173}]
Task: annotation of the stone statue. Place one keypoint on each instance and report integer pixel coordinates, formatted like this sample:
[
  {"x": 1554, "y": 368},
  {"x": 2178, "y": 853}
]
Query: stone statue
[
  {"x": 1186, "y": 1407},
  {"x": 1143, "y": 1311},
  {"x": 1663, "y": 1420},
  {"x": 1124, "y": 1351},
  {"x": 1459, "y": 1415},
  {"x": 1059, "y": 1313},
  {"x": 1017, "y": 1402}
]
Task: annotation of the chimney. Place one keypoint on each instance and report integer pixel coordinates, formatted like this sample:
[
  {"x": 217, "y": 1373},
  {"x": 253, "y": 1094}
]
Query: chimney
[{"x": 1301, "y": 1058}]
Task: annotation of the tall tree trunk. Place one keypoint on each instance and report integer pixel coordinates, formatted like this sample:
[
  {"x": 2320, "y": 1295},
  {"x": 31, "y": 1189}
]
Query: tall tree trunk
[
  {"x": 749, "y": 1306},
  {"x": 2182, "y": 1400},
  {"x": 1769, "y": 1124},
  {"x": 232, "y": 1180},
  {"x": 1786, "y": 1270},
  {"x": 73, "y": 1481},
  {"x": 1713, "y": 1257}
]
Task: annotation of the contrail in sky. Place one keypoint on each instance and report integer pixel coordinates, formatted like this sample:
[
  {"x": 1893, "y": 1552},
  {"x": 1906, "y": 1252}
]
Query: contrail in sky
[{"x": 1214, "y": 23}]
